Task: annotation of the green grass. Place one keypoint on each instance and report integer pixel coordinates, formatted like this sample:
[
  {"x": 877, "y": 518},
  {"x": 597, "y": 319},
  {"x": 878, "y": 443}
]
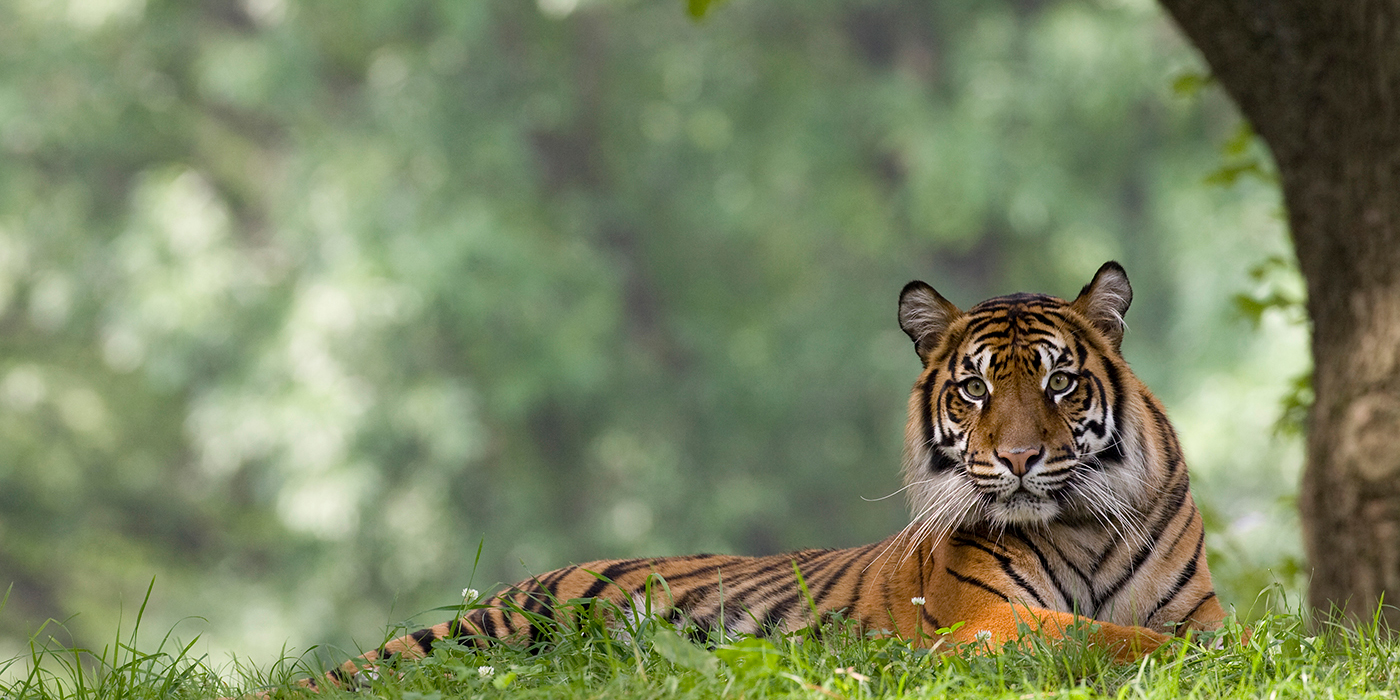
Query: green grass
[{"x": 588, "y": 659}]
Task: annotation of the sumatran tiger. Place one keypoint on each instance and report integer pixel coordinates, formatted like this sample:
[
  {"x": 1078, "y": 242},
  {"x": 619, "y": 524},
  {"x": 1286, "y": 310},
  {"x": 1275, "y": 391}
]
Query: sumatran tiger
[{"x": 1046, "y": 483}]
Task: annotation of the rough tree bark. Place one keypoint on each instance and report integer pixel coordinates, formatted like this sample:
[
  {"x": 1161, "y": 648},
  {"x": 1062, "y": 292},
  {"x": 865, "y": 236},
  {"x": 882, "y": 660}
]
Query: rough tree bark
[{"x": 1320, "y": 82}]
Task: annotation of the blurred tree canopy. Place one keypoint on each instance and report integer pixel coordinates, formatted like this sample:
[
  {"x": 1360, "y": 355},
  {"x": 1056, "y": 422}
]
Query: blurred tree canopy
[{"x": 301, "y": 300}]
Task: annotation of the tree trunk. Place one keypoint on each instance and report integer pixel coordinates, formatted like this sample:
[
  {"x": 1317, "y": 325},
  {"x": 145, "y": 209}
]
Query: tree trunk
[{"x": 1320, "y": 82}]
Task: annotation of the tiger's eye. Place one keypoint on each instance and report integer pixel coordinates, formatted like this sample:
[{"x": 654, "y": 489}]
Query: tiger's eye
[
  {"x": 1059, "y": 381},
  {"x": 975, "y": 388}
]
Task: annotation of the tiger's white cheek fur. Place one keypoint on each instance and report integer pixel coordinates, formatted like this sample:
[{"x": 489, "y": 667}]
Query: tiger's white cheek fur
[{"x": 1131, "y": 478}]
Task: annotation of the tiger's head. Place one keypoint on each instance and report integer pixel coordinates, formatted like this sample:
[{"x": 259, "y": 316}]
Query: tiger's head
[{"x": 1023, "y": 412}]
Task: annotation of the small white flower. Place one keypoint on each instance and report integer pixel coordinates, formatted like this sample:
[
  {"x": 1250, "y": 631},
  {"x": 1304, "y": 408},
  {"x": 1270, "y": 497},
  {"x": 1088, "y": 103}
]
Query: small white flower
[
  {"x": 485, "y": 671},
  {"x": 851, "y": 671},
  {"x": 919, "y": 601},
  {"x": 984, "y": 636},
  {"x": 470, "y": 594}
]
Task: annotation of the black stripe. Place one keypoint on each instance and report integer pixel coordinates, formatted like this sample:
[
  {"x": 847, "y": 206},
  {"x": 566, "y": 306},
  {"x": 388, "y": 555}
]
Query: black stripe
[
  {"x": 919, "y": 565},
  {"x": 733, "y": 610},
  {"x": 885, "y": 592},
  {"x": 959, "y": 541},
  {"x": 608, "y": 577},
  {"x": 1115, "y": 381},
  {"x": 1184, "y": 529},
  {"x": 953, "y": 343},
  {"x": 1177, "y": 497},
  {"x": 986, "y": 337},
  {"x": 476, "y": 618},
  {"x": 537, "y": 632},
  {"x": 1165, "y": 433},
  {"x": 1045, "y": 566},
  {"x": 782, "y": 563},
  {"x": 937, "y": 460},
  {"x": 979, "y": 325},
  {"x": 831, "y": 581},
  {"x": 1097, "y": 426},
  {"x": 690, "y": 598},
  {"x": 1168, "y": 437},
  {"x": 785, "y": 604},
  {"x": 1027, "y": 298},
  {"x": 856, "y": 556},
  {"x": 341, "y": 676},
  {"x": 424, "y": 638},
  {"x": 549, "y": 583},
  {"x": 780, "y": 609},
  {"x": 972, "y": 581},
  {"x": 930, "y": 619},
  {"x": 770, "y": 570},
  {"x": 1182, "y": 579},
  {"x": 1070, "y": 563},
  {"x": 1006, "y": 568},
  {"x": 748, "y": 588},
  {"x": 1187, "y": 617},
  {"x": 859, "y": 586},
  {"x": 1114, "y": 452},
  {"x": 488, "y": 623},
  {"x": 1037, "y": 316},
  {"x": 508, "y": 622},
  {"x": 770, "y": 624},
  {"x": 1080, "y": 352},
  {"x": 693, "y": 573},
  {"x": 704, "y": 632},
  {"x": 541, "y": 600}
]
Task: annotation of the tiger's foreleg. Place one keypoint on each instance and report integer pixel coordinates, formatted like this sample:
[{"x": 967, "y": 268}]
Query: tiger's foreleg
[{"x": 994, "y": 627}]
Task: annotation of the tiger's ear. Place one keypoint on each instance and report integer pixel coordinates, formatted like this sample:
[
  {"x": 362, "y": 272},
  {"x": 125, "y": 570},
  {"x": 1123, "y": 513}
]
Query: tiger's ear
[
  {"x": 1105, "y": 300},
  {"x": 925, "y": 316}
]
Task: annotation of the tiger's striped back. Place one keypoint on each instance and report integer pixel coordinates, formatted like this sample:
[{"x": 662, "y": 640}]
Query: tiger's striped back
[{"x": 1046, "y": 483}]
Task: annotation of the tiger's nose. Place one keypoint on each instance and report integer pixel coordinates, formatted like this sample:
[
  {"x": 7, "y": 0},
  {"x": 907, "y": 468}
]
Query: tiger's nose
[{"x": 1019, "y": 459}]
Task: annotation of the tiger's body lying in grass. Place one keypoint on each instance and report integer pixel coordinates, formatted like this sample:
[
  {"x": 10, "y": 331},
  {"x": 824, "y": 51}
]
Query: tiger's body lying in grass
[{"x": 1046, "y": 483}]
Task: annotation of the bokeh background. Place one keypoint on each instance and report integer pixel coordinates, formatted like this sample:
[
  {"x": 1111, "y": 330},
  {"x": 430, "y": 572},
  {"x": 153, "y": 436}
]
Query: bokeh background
[{"x": 302, "y": 301}]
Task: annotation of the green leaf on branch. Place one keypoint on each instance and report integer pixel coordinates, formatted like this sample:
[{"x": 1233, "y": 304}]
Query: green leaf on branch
[
  {"x": 1190, "y": 83},
  {"x": 1278, "y": 286},
  {"x": 1241, "y": 154},
  {"x": 1230, "y": 173},
  {"x": 1241, "y": 141},
  {"x": 1293, "y": 415},
  {"x": 698, "y": 8}
]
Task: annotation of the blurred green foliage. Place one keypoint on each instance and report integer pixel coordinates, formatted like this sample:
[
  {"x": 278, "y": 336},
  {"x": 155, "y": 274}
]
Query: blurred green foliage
[
  {"x": 300, "y": 300},
  {"x": 698, "y": 8},
  {"x": 1277, "y": 287}
]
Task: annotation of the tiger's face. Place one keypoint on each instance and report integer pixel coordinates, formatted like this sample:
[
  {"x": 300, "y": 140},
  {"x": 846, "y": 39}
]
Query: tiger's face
[{"x": 1018, "y": 416}]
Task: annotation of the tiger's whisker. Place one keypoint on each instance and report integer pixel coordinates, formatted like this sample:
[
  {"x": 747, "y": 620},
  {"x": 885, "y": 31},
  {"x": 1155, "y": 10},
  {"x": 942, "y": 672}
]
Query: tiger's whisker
[{"x": 897, "y": 491}]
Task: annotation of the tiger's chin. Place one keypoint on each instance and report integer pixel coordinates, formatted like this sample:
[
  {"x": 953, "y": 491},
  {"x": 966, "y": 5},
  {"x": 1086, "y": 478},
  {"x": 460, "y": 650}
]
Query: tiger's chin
[{"x": 1022, "y": 509}]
